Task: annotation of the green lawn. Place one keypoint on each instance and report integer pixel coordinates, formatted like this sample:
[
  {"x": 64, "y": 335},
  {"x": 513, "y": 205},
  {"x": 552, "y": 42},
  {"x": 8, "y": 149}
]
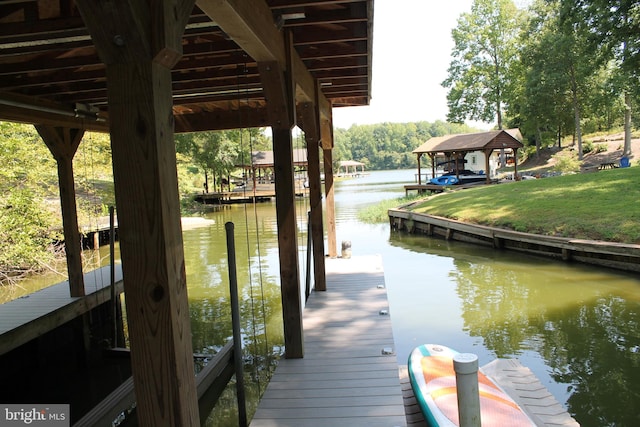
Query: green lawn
[{"x": 600, "y": 206}]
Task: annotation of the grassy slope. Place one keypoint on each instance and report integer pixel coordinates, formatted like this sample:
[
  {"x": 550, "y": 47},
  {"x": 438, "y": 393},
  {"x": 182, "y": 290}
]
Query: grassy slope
[{"x": 599, "y": 206}]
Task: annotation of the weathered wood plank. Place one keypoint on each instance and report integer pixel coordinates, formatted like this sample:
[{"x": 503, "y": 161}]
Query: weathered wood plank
[
  {"x": 328, "y": 402},
  {"x": 346, "y": 393},
  {"x": 336, "y": 421},
  {"x": 523, "y": 386}
]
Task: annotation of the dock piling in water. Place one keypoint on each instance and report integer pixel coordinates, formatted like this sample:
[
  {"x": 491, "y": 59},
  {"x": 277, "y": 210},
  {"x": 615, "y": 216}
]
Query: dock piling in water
[{"x": 466, "y": 367}]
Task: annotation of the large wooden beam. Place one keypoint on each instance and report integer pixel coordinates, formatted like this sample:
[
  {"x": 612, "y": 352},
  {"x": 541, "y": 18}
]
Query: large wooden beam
[
  {"x": 326, "y": 141},
  {"x": 330, "y": 202},
  {"x": 25, "y": 109},
  {"x": 63, "y": 144},
  {"x": 222, "y": 120},
  {"x": 250, "y": 24},
  {"x": 312, "y": 136},
  {"x": 278, "y": 88},
  {"x": 288, "y": 242},
  {"x": 139, "y": 42}
]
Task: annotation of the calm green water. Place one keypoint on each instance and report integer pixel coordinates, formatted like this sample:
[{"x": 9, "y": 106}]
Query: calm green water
[{"x": 576, "y": 327}]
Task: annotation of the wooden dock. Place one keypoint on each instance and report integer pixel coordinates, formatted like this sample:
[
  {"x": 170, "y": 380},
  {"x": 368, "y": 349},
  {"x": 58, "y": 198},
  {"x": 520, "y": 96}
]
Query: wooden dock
[
  {"x": 262, "y": 193},
  {"x": 28, "y": 317},
  {"x": 435, "y": 188},
  {"x": 349, "y": 375}
]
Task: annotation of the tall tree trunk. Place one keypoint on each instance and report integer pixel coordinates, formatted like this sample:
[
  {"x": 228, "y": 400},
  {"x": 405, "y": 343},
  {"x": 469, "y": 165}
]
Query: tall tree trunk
[
  {"x": 538, "y": 141},
  {"x": 559, "y": 136},
  {"x": 499, "y": 109},
  {"x": 627, "y": 124},
  {"x": 576, "y": 112}
]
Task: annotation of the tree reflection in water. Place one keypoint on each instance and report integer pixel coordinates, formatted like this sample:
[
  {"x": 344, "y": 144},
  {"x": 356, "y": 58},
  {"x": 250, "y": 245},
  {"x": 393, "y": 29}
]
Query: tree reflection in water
[
  {"x": 588, "y": 334},
  {"x": 260, "y": 303}
]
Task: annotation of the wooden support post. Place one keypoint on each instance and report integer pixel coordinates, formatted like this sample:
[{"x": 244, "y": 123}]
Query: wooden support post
[
  {"x": 63, "y": 144},
  {"x": 330, "y": 203},
  {"x": 312, "y": 137},
  {"x": 151, "y": 243},
  {"x": 429, "y": 229},
  {"x": 279, "y": 90},
  {"x": 433, "y": 165},
  {"x": 487, "y": 166},
  {"x": 139, "y": 46},
  {"x": 448, "y": 234},
  {"x": 288, "y": 243},
  {"x": 419, "y": 172},
  {"x": 326, "y": 138}
]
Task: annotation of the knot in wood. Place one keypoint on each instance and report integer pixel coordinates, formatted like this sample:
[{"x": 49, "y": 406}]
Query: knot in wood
[{"x": 157, "y": 293}]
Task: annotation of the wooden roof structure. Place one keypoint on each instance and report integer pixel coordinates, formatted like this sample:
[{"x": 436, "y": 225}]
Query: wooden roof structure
[
  {"x": 455, "y": 147},
  {"x": 51, "y": 71},
  {"x": 264, "y": 159},
  {"x": 143, "y": 70},
  {"x": 464, "y": 143},
  {"x": 350, "y": 163}
]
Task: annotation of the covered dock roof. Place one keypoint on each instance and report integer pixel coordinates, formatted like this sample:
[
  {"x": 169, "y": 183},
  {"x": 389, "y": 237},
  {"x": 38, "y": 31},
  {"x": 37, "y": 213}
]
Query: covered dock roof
[
  {"x": 455, "y": 147},
  {"x": 264, "y": 159},
  {"x": 482, "y": 141}
]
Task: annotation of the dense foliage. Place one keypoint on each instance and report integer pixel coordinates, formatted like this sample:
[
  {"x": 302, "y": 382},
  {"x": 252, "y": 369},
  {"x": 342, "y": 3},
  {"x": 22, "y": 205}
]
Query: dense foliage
[
  {"x": 560, "y": 68},
  {"x": 485, "y": 42},
  {"x": 388, "y": 146},
  {"x": 27, "y": 177}
]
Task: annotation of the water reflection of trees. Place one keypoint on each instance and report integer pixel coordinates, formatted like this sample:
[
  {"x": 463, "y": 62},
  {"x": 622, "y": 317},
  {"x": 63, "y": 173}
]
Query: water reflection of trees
[
  {"x": 494, "y": 306},
  {"x": 595, "y": 348},
  {"x": 260, "y": 302},
  {"x": 592, "y": 344}
]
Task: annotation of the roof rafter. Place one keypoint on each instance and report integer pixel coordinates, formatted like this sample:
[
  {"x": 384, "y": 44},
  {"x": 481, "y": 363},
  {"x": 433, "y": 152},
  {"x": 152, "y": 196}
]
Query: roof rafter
[{"x": 250, "y": 24}]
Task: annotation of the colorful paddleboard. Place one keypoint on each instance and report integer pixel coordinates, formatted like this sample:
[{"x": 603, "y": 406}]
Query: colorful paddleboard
[{"x": 434, "y": 385}]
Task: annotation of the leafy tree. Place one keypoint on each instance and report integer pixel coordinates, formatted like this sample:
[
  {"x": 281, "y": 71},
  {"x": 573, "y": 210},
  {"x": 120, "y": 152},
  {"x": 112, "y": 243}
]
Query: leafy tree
[
  {"x": 26, "y": 240},
  {"x": 613, "y": 27},
  {"x": 28, "y": 178},
  {"x": 578, "y": 59},
  {"x": 539, "y": 99},
  {"x": 479, "y": 72},
  {"x": 220, "y": 152}
]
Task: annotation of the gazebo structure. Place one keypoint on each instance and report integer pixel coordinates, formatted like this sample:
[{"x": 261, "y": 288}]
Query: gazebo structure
[
  {"x": 263, "y": 160},
  {"x": 455, "y": 147},
  {"x": 350, "y": 168},
  {"x": 142, "y": 71}
]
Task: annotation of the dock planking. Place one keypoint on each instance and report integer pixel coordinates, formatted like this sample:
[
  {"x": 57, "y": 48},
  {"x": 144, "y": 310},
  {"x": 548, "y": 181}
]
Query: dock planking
[
  {"x": 345, "y": 377},
  {"x": 28, "y": 317}
]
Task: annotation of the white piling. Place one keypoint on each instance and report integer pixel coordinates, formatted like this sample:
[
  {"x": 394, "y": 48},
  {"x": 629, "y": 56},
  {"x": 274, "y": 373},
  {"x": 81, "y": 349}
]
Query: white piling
[{"x": 466, "y": 368}]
